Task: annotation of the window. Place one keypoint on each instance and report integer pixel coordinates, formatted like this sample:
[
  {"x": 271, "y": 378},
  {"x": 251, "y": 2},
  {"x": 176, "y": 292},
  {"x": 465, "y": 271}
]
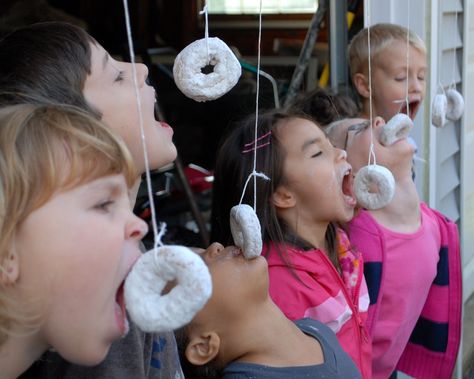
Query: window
[{"x": 239, "y": 7}]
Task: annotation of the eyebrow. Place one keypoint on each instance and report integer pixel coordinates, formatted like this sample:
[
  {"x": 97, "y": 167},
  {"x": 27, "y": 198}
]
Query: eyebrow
[
  {"x": 356, "y": 127},
  {"x": 111, "y": 185},
  {"x": 310, "y": 142}
]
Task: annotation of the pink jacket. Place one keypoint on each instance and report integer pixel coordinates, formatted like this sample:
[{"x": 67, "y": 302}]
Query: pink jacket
[
  {"x": 432, "y": 350},
  {"x": 313, "y": 288}
]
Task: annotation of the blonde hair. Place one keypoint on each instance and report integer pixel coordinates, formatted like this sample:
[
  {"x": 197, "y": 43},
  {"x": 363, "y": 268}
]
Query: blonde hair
[
  {"x": 45, "y": 149},
  {"x": 381, "y": 35}
]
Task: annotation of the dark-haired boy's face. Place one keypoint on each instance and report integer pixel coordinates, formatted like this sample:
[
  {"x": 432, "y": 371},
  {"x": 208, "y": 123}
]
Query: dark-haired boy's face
[
  {"x": 110, "y": 89},
  {"x": 390, "y": 81}
]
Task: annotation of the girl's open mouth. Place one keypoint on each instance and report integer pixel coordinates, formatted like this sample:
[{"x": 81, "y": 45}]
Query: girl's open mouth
[{"x": 346, "y": 187}]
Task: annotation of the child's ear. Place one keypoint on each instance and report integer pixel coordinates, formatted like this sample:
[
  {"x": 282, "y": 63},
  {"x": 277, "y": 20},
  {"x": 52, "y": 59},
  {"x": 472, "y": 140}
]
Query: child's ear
[
  {"x": 361, "y": 83},
  {"x": 203, "y": 348},
  {"x": 10, "y": 268},
  {"x": 283, "y": 198}
]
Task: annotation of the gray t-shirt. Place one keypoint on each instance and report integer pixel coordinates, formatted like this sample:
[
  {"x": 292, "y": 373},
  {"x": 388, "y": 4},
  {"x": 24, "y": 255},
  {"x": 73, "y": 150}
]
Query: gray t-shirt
[
  {"x": 337, "y": 364},
  {"x": 136, "y": 356}
]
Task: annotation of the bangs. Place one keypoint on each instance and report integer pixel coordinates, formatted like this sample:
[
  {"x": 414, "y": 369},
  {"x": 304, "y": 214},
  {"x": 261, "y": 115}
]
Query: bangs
[{"x": 50, "y": 148}]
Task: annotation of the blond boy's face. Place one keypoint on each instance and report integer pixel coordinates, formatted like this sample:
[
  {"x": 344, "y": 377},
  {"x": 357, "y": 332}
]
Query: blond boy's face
[
  {"x": 390, "y": 81},
  {"x": 75, "y": 252}
]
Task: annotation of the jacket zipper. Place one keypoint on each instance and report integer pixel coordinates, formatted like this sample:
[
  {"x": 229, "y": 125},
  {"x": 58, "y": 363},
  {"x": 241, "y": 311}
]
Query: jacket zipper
[{"x": 351, "y": 305}]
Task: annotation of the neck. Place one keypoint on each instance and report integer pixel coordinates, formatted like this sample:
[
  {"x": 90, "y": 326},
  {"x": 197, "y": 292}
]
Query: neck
[
  {"x": 302, "y": 225},
  {"x": 19, "y": 353},
  {"x": 259, "y": 340},
  {"x": 403, "y": 213}
]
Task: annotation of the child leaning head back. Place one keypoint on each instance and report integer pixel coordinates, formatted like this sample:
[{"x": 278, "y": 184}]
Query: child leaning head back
[
  {"x": 305, "y": 193},
  {"x": 67, "y": 235},
  {"x": 388, "y": 57},
  {"x": 59, "y": 63}
]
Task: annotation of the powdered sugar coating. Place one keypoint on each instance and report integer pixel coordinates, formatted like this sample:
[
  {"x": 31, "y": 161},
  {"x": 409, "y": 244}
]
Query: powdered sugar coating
[
  {"x": 154, "y": 312},
  {"x": 397, "y": 128},
  {"x": 188, "y": 65},
  {"x": 246, "y": 230},
  {"x": 373, "y": 177},
  {"x": 455, "y": 105},
  {"x": 439, "y": 109}
]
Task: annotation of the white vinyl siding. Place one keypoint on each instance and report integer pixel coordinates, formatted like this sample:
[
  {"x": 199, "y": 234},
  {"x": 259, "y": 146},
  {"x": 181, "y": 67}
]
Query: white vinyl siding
[{"x": 448, "y": 146}]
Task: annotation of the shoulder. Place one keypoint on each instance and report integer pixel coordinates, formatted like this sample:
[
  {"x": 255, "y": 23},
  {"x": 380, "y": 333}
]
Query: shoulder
[{"x": 316, "y": 329}]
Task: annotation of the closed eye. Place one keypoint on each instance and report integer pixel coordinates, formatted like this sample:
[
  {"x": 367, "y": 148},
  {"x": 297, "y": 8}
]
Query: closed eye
[
  {"x": 317, "y": 154},
  {"x": 120, "y": 76},
  {"x": 104, "y": 205}
]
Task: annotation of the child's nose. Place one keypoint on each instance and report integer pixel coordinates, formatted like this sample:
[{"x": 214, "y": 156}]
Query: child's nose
[
  {"x": 378, "y": 122},
  {"x": 142, "y": 73},
  {"x": 416, "y": 85},
  {"x": 214, "y": 249},
  {"x": 136, "y": 228},
  {"x": 340, "y": 154}
]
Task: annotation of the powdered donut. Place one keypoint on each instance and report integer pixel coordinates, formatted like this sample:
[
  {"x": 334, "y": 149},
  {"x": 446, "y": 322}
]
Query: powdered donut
[
  {"x": 397, "y": 128},
  {"x": 455, "y": 105},
  {"x": 374, "y": 187},
  {"x": 190, "y": 67},
  {"x": 438, "y": 110},
  {"x": 245, "y": 228},
  {"x": 154, "y": 312}
]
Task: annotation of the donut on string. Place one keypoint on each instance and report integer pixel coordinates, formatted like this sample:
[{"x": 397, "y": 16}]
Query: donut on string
[
  {"x": 153, "y": 311},
  {"x": 206, "y": 69},
  {"x": 374, "y": 186},
  {"x": 455, "y": 107},
  {"x": 397, "y": 128},
  {"x": 246, "y": 231},
  {"x": 439, "y": 109}
]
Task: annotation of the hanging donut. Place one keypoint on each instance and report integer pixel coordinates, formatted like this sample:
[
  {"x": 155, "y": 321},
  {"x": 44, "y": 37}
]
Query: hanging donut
[
  {"x": 374, "y": 187},
  {"x": 439, "y": 109},
  {"x": 246, "y": 231},
  {"x": 153, "y": 311},
  {"x": 204, "y": 77},
  {"x": 397, "y": 128},
  {"x": 455, "y": 105}
]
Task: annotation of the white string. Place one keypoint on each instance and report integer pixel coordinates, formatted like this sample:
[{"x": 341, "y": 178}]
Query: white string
[
  {"x": 254, "y": 172},
  {"x": 455, "y": 31},
  {"x": 206, "y": 29},
  {"x": 371, "y": 149},
  {"x": 157, "y": 236},
  {"x": 408, "y": 60}
]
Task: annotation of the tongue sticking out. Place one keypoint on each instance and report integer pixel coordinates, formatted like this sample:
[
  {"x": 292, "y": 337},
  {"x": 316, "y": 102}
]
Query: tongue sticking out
[
  {"x": 347, "y": 182},
  {"x": 120, "y": 313}
]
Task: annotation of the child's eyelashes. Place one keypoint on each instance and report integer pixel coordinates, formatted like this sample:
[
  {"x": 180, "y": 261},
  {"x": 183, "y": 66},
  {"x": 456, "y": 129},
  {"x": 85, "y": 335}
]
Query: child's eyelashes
[
  {"x": 104, "y": 206},
  {"x": 120, "y": 76},
  {"x": 317, "y": 154}
]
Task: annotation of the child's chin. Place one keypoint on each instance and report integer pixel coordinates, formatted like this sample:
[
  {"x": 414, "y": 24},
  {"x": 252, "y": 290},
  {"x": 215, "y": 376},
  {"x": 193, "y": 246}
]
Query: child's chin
[{"x": 89, "y": 357}]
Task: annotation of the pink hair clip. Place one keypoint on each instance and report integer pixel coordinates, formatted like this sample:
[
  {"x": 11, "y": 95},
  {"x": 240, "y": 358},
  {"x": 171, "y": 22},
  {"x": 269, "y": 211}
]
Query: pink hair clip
[{"x": 253, "y": 145}]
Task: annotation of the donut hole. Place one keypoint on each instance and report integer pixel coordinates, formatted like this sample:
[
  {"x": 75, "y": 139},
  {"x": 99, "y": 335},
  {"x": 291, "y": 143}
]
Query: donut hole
[
  {"x": 208, "y": 69},
  {"x": 168, "y": 287},
  {"x": 372, "y": 186}
]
